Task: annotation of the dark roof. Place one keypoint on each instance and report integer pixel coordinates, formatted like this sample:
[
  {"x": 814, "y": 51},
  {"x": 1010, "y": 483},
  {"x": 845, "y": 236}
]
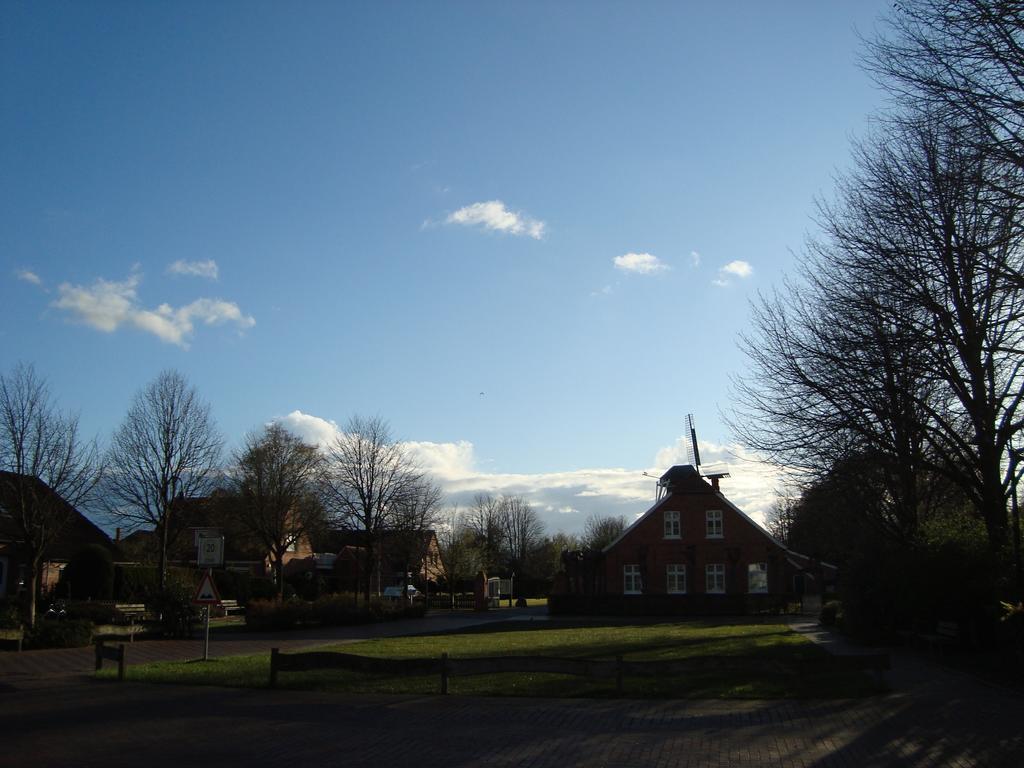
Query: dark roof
[
  {"x": 214, "y": 511},
  {"x": 336, "y": 539},
  {"x": 78, "y": 532},
  {"x": 684, "y": 478}
]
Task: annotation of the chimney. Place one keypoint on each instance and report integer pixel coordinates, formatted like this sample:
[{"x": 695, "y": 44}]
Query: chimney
[
  {"x": 714, "y": 482},
  {"x": 117, "y": 534}
]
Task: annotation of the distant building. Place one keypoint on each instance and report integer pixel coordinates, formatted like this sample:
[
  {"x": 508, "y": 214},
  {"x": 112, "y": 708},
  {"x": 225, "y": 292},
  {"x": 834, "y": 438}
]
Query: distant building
[{"x": 692, "y": 553}]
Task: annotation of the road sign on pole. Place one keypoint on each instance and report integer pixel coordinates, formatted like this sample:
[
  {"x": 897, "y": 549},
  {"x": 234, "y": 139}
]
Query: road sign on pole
[
  {"x": 210, "y": 551},
  {"x": 206, "y": 592}
]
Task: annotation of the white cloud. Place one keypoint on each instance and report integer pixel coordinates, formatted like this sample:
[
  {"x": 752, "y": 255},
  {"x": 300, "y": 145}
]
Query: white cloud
[
  {"x": 605, "y": 291},
  {"x": 108, "y": 305},
  {"x": 207, "y": 269},
  {"x": 28, "y": 276},
  {"x": 694, "y": 259},
  {"x": 739, "y": 268},
  {"x": 495, "y": 216},
  {"x": 643, "y": 263},
  {"x": 311, "y": 429},
  {"x": 564, "y": 500}
]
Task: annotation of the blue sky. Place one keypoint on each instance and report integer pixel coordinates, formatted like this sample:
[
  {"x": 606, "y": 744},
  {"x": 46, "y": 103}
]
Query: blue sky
[{"x": 320, "y": 209}]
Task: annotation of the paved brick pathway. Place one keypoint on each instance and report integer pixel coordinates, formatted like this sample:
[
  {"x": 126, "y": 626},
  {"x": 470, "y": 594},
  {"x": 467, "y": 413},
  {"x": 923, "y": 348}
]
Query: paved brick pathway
[{"x": 933, "y": 718}]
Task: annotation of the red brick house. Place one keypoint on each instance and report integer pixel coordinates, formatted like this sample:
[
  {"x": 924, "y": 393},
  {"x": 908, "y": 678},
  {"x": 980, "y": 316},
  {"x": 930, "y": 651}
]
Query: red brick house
[
  {"x": 692, "y": 552},
  {"x": 341, "y": 557}
]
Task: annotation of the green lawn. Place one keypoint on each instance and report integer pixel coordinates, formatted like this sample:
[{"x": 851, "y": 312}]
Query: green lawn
[{"x": 767, "y": 641}]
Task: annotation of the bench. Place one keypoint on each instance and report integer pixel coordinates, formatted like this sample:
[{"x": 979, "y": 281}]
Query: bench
[
  {"x": 226, "y": 608},
  {"x": 136, "y": 614},
  {"x": 13, "y": 635}
]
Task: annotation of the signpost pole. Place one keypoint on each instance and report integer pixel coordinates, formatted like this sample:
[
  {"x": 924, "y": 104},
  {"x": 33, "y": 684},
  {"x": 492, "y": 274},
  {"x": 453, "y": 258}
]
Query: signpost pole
[{"x": 206, "y": 633}]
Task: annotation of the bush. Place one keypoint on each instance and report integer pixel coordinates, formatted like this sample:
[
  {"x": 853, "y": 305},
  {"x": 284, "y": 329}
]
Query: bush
[
  {"x": 262, "y": 589},
  {"x": 269, "y": 614},
  {"x": 521, "y": 602},
  {"x": 97, "y": 613},
  {"x": 338, "y": 610},
  {"x": 831, "y": 613},
  {"x": 68, "y": 633},
  {"x": 233, "y": 585},
  {"x": 89, "y": 574},
  {"x": 10, "y": 615},
  {"x": 174, "y": 606}
]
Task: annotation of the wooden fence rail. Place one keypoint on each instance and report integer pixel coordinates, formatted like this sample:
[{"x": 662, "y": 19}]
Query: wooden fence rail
[
  {"x": 113, "y": 654},
  {"x": 617, "y": 668}
]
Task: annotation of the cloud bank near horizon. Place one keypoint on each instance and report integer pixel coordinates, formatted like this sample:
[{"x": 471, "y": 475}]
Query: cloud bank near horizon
[{"x": 565, "y": 499}]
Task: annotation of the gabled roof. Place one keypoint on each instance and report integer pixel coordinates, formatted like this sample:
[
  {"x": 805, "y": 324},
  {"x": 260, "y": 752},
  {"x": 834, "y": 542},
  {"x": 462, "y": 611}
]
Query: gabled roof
[
  {"x": 79, "y": 531},
  {"x": 686, "y": 479}
]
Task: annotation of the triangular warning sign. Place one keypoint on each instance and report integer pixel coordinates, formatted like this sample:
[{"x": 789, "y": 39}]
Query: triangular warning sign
[{"x": 206, "y": 592}]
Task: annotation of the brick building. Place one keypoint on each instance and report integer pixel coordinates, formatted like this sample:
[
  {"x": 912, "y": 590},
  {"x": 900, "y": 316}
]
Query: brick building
[{"x": 693, "y": 552}]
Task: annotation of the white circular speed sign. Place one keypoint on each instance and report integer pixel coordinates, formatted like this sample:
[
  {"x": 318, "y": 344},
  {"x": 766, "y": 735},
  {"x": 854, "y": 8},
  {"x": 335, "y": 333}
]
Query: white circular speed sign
[{"x": 211, "y": 551}]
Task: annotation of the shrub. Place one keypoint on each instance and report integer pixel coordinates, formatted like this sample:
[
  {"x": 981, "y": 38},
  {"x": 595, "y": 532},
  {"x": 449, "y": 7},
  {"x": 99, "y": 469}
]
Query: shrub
[
  {"x": 97, "y": 613},
  {"x": 233, "y": 585},
  {"x": 269, "y": 614},
  {"x": 69, "y": 633},
  {"x": 831, "y": 612},
  {"x": 521, "y": 602},
  {"x": 174, "y": 606},
  {"x": 338, "y": 610},
  {"x": 10, "y": 615},
  {"x": 262, "y": 589},
  {"x": 89, "y": 574}
]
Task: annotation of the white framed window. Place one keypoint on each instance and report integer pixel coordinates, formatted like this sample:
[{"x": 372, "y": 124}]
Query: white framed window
[
  {"x": 757, "y": 577},
  {"x": 713, "y": 518},
  {"x": 631, "y": 583},
  {"x": 671, "y": 524},
  {"x": 675, "y": 579},
  {"x": 714, "y": 578}
]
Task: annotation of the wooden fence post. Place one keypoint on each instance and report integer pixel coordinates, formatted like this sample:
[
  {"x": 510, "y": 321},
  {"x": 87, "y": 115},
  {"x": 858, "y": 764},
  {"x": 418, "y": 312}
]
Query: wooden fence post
[
  {"x": 618, "y": 674},
  {"x": 444, "y": 674},
  {"x": 120, "y": 663},
  {"x": 273, "y": 667}
]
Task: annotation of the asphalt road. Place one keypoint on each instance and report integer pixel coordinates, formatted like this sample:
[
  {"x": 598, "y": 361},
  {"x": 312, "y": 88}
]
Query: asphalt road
[{"x": 933, "y": 718}]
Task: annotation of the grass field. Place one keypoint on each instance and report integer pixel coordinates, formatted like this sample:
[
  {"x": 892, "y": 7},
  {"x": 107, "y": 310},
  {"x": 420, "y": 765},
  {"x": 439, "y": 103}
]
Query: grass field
[{"x": 766, "y": 641}]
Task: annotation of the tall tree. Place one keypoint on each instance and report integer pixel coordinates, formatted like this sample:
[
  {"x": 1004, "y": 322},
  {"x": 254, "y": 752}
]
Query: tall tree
[
  {"x": 46, "y": 469},
  {"x": 959, "y": 58},
  {"x": 484, "y": 519},
  {"x": 414, "y": 519},
  {"x": 369, "y": 473},
  {"x": 521, "y": 529},
  {"x": 601, "y": 530},
  {"x": 458, "y": 556},
  {"x": 904, "y": 342},
  {"x": 166, "y": 448},
  {"x": 276, "y": 482}
]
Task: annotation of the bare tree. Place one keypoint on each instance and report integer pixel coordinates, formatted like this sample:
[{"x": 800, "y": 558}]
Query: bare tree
[
  {"x": 485, "y": 521},
  {"x": 369, "y": 473},
  {"x": 521, "y": 529},
  {"x": 167, "y": 448},
  {"x": 601, "y": 530},
  {"x": 414, "y": 518},
  {"x": 458, "y": 556},
  {"x": 904, "y": 343},
  {"x": 963, "y": 59},
  {"x": 276, "y": 482},
  {"x": 46, "y": 470}
]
